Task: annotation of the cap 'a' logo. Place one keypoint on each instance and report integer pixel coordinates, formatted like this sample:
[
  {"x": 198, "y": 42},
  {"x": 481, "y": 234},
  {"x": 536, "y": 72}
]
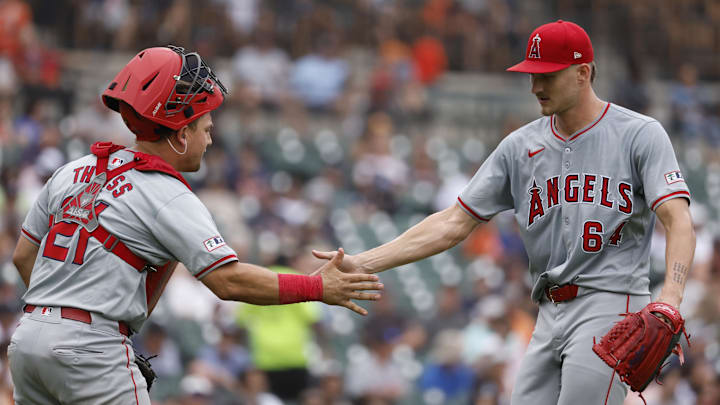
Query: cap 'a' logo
[{"x": 535, "y": 48}]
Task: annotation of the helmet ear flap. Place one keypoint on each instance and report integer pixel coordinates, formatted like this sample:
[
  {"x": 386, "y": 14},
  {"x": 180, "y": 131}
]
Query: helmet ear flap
[{"x": 144, "y": 130}]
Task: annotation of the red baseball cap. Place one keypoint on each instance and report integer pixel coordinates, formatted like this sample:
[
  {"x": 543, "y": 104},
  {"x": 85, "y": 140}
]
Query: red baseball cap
[{"x": 555, "y": 46}]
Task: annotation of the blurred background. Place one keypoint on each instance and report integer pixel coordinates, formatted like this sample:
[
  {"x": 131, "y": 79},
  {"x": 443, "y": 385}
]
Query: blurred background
[{"x": 347, "y": 122}]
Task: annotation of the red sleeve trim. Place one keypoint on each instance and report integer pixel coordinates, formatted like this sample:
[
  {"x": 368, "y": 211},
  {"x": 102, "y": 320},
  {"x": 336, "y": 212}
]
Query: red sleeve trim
[
  {"x": 210, "y": 267},
  {"x": 471, "y": 211},
  {"x": 30, "y": 236},
  {"x": 684, "y": 193}
]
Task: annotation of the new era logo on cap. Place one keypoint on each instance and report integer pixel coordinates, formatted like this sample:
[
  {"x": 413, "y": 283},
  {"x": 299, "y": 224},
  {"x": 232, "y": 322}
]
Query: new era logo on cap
[{"x": 563, "y": 44}]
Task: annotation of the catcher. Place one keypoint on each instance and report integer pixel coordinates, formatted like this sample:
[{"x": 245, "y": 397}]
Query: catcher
[
  {"x": 585, "y": 182},
  {"x": 102, "y": 239}
]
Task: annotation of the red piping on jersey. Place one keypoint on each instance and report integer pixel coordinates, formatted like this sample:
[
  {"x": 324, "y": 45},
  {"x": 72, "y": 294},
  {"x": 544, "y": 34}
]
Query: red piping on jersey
[
  {"x": 471, "y": 211},
  {"x": 127, "y": 354},
  {"x": 216, "y": 262},
  {"x": 683, "y": 192},
  {"x": 29, "y": 236},
  {"x": 552, "y": 125}
]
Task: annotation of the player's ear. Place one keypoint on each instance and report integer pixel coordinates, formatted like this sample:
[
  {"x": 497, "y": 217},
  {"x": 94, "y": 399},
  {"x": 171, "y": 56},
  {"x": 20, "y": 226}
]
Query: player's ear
[
  {"x": 181, "y": 135},
  {"x": 583, "y": 73}
]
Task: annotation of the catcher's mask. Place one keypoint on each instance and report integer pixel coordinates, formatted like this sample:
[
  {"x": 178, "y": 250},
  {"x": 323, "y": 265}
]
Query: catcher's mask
[{"x": 165, "y": 85}]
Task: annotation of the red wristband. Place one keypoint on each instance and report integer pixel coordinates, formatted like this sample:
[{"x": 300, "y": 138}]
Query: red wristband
[{"x": 298, "y": 288}]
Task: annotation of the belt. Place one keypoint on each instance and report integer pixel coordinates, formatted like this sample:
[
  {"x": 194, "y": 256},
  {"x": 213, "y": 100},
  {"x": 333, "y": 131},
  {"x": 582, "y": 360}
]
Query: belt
[
  {"x": 560, "y": 293},
  {"x": 80, "y": 315}
]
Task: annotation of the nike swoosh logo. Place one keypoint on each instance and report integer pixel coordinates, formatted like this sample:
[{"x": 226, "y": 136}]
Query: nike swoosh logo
[{"x": 531, "y": 154}]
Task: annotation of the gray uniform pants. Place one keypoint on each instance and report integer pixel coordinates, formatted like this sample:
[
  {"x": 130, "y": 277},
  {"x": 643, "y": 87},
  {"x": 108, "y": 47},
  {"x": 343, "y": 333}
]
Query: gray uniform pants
[
  {"x": 559, "y": 366},
  {"x": 62, "y": 361}
]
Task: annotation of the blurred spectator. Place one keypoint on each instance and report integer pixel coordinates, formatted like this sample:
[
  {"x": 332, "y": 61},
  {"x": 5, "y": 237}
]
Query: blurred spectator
[
  {"x": 173, "y": 28},
  {"x": 255, "y": 389},
  {"x": 687, "y": 110},
  {"x": 377, "y": 173},
  {"x": 187, "y": 298},
  {"x": 228, "y": 356},
  {"x": 261, "y": 73},
  {"x": 155, "y": 341},
  {"x": 279, "y": 338},
  {"x": 446, "y": 371},
  {"x": 319, "y": 79},
  {"x": 429, "y": 57},
  {"x": 6, "y": 393},
  {"x": 8, "y": 77},
  {"x": 449, "y": 313},
  {"x": 15, "y": 20},
  {"x": 96, "y": 123},
  {"x": 243, "y": 14},
  {"x": 331, "y": 387},
  {"x": 312, "y": 396},
  {"x": 195, "y": 390},
  {"x": 632, "y": 92},
  {"x": 484, "y": 241},
  {"x": 376, "y": 374},
  {"x": 38, "y": 66},
  {"x": 490, "y": 339}
]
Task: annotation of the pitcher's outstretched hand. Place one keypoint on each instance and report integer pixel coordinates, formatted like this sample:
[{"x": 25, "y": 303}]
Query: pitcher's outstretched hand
[{"x": 339, "y": 287}]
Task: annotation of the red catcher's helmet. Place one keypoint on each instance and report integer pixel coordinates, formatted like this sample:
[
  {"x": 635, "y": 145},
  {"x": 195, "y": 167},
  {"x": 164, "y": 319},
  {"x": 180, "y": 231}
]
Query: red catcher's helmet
[{"x": 166, "y": 86}]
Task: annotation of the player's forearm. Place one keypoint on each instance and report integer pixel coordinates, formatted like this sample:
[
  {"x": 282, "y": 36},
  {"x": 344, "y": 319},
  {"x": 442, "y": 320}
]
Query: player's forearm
[
  {"x": 436, "y": 233},
  {"x": 679, "y": 253},
  {"x": 244, "y": 282},
  {"x": 25, "y": 270},
  {"x": 24, "y": 258}
]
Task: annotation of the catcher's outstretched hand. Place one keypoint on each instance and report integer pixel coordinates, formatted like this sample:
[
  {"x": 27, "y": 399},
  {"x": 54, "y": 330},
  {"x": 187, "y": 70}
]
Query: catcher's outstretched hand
[
  {"x": 346, "y": 266},
  {"x": 340, "y": 288}
]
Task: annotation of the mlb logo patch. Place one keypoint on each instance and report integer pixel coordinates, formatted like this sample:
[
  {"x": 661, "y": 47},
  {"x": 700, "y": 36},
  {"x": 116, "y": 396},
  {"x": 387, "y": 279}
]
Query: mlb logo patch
[
  {"x": 214, "y": 243},
  {"x": 46, "y": 311},
  {"x": 117, "y": 162},
  {"x": 673, "y": 177}
]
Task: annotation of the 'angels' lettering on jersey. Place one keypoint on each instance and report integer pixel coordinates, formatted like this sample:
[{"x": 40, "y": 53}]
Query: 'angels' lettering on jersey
[{"x": 583, "y": 188}]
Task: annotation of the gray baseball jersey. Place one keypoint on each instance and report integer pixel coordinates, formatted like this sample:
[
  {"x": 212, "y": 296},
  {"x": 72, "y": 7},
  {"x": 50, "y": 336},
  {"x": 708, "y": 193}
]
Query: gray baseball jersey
[
  {"x": 157, "y": 217},
  {"x": 585, "y": 206}
]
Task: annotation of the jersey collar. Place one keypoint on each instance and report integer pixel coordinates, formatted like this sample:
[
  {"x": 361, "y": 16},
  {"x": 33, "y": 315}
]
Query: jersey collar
[
  {"x": 580, "y": 132},
  {"x": 146, "y": 162}
]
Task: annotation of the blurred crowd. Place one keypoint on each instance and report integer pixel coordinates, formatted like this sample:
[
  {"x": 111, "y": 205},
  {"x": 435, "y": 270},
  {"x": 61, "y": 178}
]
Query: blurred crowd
[{"x": 333, "y": 136}]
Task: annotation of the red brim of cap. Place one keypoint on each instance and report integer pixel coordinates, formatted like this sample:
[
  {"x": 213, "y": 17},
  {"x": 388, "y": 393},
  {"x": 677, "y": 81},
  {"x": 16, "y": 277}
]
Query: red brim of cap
[{"x": 532, "y": 66}]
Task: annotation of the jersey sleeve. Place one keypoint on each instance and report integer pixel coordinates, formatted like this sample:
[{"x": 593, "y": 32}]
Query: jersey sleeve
[
  {"x": 488, "y": 192},
  {"x": 185, "y": 227},
  {"x": 37, "y": 220},
  {"x": 658, "y": 167}
]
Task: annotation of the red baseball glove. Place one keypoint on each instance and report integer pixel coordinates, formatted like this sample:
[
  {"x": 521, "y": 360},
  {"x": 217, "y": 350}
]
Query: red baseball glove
[{"x": 636, "y": 346}]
